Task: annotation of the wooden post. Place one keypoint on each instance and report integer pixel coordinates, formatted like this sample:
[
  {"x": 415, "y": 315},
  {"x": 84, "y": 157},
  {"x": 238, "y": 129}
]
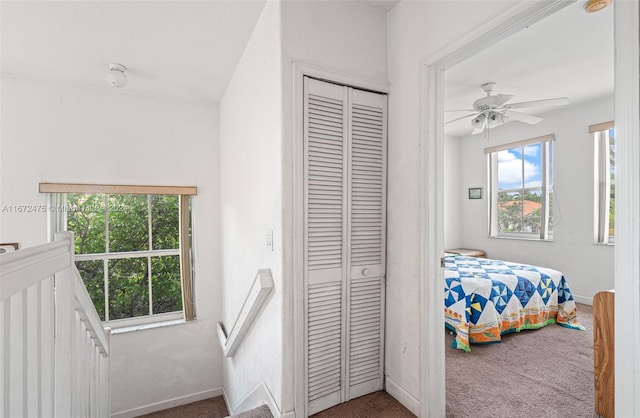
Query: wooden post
[
  {"x": 185, "y": 258},
  {"x": 603, "y": 352}
]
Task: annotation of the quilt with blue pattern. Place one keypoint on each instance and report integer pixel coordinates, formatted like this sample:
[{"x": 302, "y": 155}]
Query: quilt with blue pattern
[{"x": 485, "y": 299}]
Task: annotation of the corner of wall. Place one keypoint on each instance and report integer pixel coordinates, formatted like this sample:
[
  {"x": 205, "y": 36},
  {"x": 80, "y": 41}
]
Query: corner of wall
[{"x": 260, "y": 395}]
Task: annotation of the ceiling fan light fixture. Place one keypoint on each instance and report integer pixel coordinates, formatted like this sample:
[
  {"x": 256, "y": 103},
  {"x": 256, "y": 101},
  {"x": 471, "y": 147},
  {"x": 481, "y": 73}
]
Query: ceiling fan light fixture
[
  {"x": 495, "y": 119},
  {"x": 595, "y": 5},
  {"x": 478, "y": 121},
  {"x": 117, "y": 76}
]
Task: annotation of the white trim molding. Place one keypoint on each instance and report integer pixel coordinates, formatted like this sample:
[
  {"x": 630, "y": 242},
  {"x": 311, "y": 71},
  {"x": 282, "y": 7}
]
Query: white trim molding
[
  {"x": 517, "y": 16},
  {"x": 402, "y": 395},
  {"x": 583, "y": 299},
  {"x": 170, "y": 403},
  {"x": 627, "y": 250}
]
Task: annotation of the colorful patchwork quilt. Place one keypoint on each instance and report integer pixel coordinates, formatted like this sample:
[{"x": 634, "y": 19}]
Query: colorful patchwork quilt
[{"x": 485, "y": 299}]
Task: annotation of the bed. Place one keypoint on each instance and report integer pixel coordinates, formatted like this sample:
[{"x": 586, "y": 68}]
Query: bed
[{"x": 485, "y": 299}]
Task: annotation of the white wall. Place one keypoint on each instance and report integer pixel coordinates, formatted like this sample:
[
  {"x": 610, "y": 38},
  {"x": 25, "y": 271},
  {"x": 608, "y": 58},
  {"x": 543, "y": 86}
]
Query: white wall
[
  {"x": 60, "y": 133},
  {"x": 417, "y": 30},
  {"x": 250, "y": 172},
  {"x": 257, "y": 169},
  {"x": 454, "y": 193},
  {"x": 588, "y": 267},
  {"x": 345, "y": 38},
  {"x": 340, "y": 36}
]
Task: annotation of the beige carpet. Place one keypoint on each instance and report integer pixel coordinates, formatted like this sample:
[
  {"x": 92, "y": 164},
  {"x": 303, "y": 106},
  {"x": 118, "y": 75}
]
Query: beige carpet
[
  {"x": 544, "y": 373},
  {"x": 259, "y": 412},
  {"x": 375, "y": 405}
]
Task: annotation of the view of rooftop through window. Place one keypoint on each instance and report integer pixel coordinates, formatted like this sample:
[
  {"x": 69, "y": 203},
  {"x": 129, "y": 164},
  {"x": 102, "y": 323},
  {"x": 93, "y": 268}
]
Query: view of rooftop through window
[{"x": 521, "y": 188}]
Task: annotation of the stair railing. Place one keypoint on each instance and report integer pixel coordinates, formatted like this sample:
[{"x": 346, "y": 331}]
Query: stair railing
[
  {"x": 54, "y": 351},
  {"x": 260, "y": 289}
]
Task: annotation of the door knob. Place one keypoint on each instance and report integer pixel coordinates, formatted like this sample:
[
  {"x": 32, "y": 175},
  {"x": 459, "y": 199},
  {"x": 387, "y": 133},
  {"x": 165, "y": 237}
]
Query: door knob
[{"x": 365, "y": 272}]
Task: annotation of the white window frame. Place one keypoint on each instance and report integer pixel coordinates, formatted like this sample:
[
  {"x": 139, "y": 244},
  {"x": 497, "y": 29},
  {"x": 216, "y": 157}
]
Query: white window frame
[
  {"x": 57, "y": 201},
  {"x": 602, "y": 181},
  {"x": 546, "y": 187}
]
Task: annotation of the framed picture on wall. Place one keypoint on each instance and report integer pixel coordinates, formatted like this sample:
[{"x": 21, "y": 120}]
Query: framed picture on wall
[
  {"x": 8, "y": 248},
  {"x": 475, "y": 193}
]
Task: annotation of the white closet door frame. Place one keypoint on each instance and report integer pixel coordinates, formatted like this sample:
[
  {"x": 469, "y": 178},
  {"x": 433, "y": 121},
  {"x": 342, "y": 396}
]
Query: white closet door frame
[
  {"x": 295, "y": 376},
  {"x": 345, "y": 175}
]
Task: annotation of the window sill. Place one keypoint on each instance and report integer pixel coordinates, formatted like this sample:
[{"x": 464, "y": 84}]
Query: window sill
[
  {"x": 520, "y": 238},
  {"x": 605, "y": 244},
  {"x": 145, "y": 322},
  {"x": 142, "y": 327}
]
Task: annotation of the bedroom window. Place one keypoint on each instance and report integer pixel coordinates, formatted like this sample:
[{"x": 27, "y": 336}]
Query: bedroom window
[
  {"x": 133, "y": 248},
  {"x": 521, "y": 189},
  {"x": 604, "y": 182}
]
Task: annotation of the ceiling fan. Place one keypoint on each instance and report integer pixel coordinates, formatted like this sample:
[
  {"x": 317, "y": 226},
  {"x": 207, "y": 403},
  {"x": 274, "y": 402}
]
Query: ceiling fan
[{"x": 491, "y": 111}]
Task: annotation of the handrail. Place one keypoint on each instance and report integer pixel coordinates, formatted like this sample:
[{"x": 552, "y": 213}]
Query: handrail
[
  {"x": 22, "y": 269},
  {"x": 260, "y": 289}
]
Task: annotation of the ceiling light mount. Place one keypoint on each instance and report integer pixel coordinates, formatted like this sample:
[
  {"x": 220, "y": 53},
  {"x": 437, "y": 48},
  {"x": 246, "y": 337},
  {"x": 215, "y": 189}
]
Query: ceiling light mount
[
  {"x": 488, "y": 87},
  {"x": 595, "y": 5},
  {"x": 117, "y": 75}
]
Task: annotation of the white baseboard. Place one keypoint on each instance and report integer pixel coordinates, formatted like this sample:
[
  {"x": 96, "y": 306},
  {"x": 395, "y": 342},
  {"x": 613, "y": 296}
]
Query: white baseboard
[
  {"x": 226, "y": 401},
  {"x": 402, "y": 396},
  {"x": 257, "y": 397},
  {"x": 171, "y": 403},
  {"x": 582, "y": 299}
]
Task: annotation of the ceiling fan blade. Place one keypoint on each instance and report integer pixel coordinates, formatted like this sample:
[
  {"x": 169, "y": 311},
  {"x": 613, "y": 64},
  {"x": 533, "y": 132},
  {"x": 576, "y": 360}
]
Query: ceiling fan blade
[
  {"x": 461, "y": 110},
  {"x": 559, "y": 101},
  {"x": 461, "y": 117},
  {"x": 500, "y": 99},
  {"x": 523, "y": 117}
]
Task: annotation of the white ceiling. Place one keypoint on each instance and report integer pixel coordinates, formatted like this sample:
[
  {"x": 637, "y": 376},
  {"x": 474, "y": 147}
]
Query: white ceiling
[
  {"x": 568, "y": 54},
  {"x": 184, "y": 50},
  {"x": 189, "y": 49}
]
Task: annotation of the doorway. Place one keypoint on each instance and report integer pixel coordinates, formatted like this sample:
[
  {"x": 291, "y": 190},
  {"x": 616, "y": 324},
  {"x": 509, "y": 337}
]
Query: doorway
[{"x": 518, "y": 18}]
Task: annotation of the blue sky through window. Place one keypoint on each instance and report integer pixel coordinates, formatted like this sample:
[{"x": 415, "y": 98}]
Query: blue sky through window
[{"x": 516, "y": 170}]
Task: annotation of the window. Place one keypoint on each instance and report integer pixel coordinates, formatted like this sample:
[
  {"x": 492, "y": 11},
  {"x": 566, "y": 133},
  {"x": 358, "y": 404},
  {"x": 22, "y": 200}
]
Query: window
[
  {"x": 132, "y": 249},
  {"x": 521, "y": 192},
  {"x": 605, "y": 181}
]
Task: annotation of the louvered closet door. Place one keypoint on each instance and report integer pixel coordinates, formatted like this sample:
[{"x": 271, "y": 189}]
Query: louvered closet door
[
  {"x": 366, "y": 242},
  {"x": 325, "y": 236},
  {"x": 344, "y": 158}
]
